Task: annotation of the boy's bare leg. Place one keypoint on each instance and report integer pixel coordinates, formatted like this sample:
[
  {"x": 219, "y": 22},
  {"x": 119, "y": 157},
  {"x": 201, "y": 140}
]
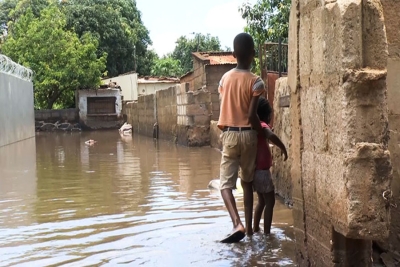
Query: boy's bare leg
[
  {"x": 258, "y": 212},
  {"x": 230, "y": 204},
  {"x": 269, "y": 199},
  {"x": 248, "y": 205}
]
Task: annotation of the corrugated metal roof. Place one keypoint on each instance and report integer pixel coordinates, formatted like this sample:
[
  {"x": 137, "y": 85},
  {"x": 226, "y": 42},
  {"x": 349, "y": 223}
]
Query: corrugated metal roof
[
  {"x": 149, "y": 79},
  {"x": 216, "y": 58}
]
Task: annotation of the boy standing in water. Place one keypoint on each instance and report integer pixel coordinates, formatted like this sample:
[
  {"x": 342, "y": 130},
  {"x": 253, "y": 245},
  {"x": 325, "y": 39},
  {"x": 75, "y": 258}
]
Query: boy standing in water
[
  {"x": 239, "y": 93},
  {"x": 262, "y": 182}
]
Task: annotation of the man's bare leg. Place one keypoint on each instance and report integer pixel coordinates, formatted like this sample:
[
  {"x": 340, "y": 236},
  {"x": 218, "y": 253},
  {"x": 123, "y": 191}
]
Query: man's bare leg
[
  {"x": 230, "y": 204},
  {"x": 248, "y": 205}
]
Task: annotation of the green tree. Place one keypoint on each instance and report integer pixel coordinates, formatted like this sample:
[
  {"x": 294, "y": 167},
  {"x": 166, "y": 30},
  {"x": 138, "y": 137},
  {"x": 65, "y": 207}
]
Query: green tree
[
  {"x": 185, "y": 46},
  {"x": 267, "y": 20},
  {"x": 167, "y": 66},
  {"x": 62, "y": 63},
  {"x": 6, "y": 7},
  {"x": 120, "y": 31}
]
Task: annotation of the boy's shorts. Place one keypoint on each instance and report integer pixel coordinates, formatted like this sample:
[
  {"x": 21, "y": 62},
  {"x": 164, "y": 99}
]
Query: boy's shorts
[
  {"x": 239, "y": 149},
  {"x": 262, "y": 182}
]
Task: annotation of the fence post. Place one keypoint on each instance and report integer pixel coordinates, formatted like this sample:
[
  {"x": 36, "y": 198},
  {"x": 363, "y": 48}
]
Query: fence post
[{"x": 280, "y": 56}]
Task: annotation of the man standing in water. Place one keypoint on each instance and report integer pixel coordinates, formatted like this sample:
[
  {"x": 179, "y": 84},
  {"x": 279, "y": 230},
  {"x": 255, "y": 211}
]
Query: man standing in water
[{"x": 239, "y": 91}]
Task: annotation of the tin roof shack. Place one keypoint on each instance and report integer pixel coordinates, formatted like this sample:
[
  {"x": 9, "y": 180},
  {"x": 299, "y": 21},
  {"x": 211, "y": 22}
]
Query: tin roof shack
[
  {"x": 100, "y": 109},
  {"x": 149, "y": 85},
  {"x": 208, "y": 68}
]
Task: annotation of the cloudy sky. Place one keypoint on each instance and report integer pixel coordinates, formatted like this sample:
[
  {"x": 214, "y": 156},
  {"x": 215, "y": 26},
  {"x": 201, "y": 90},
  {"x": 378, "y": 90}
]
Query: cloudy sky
[{"x": 168, "y": 20}]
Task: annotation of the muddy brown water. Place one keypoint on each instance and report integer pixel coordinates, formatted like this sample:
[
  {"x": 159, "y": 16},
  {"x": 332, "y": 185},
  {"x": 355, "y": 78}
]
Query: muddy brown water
[{"x": 123, "y": 201}]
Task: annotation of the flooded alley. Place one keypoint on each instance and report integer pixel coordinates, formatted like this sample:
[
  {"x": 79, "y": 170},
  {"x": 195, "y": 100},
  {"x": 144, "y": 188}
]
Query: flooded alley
[{"x": 124, "y": 200}]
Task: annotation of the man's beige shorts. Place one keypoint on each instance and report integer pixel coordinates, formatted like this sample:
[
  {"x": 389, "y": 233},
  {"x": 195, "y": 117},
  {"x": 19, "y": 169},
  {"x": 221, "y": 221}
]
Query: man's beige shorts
[{"x": 239, "y": 149}]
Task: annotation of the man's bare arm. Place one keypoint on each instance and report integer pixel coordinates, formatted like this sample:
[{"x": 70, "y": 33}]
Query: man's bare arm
[{"x": 254, "y": 120}]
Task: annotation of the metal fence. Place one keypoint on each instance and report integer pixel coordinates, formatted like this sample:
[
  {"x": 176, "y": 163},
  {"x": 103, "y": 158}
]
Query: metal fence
[
  {"x": 10, "y": 67},
  {"x": 274, "y": 57}
]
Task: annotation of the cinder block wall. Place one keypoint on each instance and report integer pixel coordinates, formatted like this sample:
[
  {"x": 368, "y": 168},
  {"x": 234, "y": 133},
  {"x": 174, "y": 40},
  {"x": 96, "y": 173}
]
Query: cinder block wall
[
  {"x": 213, "y": 74},
  {"x": 183, "y": 116},
  {"x": 340, "y": 162},
  {"x": 167, "y": 113},
  {"x": 61, "y": 115},
  {"x": 194, "y": 115}
]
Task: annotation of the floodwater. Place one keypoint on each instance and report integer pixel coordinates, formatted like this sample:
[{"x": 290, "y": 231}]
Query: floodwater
[{"x": 123, "y": 201}]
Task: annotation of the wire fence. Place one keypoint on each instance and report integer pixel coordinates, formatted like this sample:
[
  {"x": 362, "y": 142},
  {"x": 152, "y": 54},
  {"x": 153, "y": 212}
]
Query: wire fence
[{"x": 10, "y": 67}]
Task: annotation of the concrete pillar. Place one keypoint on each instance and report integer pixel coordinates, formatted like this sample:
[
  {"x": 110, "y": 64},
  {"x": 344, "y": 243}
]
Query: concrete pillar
[
  {"x": 338, "y": 110},
  {"x": 391, "y": 14}
]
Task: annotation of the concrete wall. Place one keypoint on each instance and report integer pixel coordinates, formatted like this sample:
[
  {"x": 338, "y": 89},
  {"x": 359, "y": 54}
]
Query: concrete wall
[
  {"x": 182, "y": 116},
  {"x": 338, "y": 111},
  {"x": 391, "y": 13},
  {"x": 17, "y": 119},
  {"x": 128, "y": 83},
  {"x": 282, "y": 128},
  {"x": 54, "y": 115}
]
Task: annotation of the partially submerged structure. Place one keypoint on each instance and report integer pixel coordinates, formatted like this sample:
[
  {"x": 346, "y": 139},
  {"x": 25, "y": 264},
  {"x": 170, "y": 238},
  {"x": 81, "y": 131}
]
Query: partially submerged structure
[{"x": 100, "y": 109}]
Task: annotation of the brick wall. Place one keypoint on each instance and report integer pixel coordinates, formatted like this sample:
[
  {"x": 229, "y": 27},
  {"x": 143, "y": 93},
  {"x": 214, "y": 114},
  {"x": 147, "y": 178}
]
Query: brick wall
[{"x": 61, "y": 115}]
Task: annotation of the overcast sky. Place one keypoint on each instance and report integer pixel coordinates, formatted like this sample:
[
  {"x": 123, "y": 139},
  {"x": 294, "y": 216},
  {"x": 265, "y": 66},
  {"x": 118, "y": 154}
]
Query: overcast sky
[{"x": 168, "y": 20}]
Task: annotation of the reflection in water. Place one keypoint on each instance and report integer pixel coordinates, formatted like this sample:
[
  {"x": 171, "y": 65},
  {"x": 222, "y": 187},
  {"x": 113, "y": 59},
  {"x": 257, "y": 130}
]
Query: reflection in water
[{"x": 123, "y": 200}]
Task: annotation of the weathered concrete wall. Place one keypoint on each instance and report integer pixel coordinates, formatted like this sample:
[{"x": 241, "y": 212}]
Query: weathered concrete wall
[
  {"x": 392, "y": 22},
  {"x": 282, "y": 128},
  {"x": 54, "y": 115},
  {"x": 17, "y": 119},
  {"x": 338, "y": 111},
  {"x": 182, "y": 116}
]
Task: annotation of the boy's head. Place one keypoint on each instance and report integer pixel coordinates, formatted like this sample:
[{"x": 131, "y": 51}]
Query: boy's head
[
  {"x": 264, "y": 110},
  {"x": 243, "y": 48}
]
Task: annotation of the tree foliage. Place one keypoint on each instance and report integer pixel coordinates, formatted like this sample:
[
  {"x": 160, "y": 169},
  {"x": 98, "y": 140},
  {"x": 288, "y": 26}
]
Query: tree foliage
[
  {"x": 167, "y": 67},
  {"x": 119, "y": 29},
  {"x": 267, "y": 20},
  {"x": 185, "y": 46},
  {"x": 61, "y": 61}
]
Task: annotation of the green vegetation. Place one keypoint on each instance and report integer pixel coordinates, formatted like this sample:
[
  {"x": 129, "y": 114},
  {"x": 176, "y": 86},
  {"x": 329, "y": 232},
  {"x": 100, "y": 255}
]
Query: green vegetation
[
  {"x": 61, "y": 61},
  {"x": 185, "y": 46},
  {"x": 267, "y": 20}
]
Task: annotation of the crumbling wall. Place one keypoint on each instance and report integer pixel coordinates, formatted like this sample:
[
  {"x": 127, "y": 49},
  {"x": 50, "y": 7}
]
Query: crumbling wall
[
  {"x": 282, "y": 128},
  {"x": 391, "y": 10},
  {"x": 339, "y": 122},
  {"x": 194, "y": 115}
]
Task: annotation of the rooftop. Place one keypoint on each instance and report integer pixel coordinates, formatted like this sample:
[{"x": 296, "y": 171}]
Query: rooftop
[
  {"x": 216, "y": 58},
  {"x": 153, "y": 79}
]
